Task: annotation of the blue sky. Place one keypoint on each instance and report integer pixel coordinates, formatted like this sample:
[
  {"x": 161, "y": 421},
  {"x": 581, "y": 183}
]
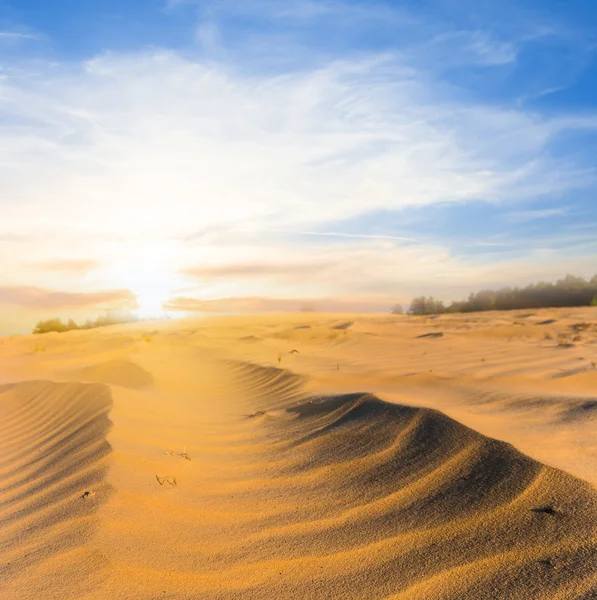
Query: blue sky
[{"x": 434, "y": 146}]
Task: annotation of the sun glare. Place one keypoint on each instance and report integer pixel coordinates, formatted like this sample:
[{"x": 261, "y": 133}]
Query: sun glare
[
  {"x": 151, "y": 303},
  {"x": 145, "y": 269},
  {"x": 152, "y": 290}
]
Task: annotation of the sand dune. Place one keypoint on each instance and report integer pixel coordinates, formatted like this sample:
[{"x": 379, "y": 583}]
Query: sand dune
[
  {"x": 303, "y": 456},
  {"x": 53, "y": 445},
  {"x": 114, "y": 372}
]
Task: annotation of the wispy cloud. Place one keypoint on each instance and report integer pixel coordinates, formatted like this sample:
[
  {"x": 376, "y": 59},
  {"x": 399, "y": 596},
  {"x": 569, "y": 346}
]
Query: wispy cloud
[
  {"x": 288, "y": 232},
  {"x": 280, "y": 270},
  {"x": 354, "y": 236},
  {"x": 167, "y": 143},
  {"x": 300, "y": 10},
  {"x": 16, "y": 35},
  {"x": 39, "y": 298},
  {"x": 67, "y": 266},
  {"x": 526, "y": 216},
  {"x": 468, "y": 47},
  {"x": 264, "y": 304},
  {"x": 150, "y": 146}
]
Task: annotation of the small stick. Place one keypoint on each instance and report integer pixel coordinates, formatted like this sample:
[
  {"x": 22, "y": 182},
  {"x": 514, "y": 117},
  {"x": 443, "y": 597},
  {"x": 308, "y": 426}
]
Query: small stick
[{"x": 166, "y": 478}]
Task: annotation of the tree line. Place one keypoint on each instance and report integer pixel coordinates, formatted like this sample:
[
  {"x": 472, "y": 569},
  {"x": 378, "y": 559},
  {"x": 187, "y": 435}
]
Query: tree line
[
  {"x": 569, "y": 291},
  {"x": 109, "y": 318}
]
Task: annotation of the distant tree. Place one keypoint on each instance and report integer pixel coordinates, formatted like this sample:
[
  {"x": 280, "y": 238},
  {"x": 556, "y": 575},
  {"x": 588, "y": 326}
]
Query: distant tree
[
  {"x": 307, "y": 307},
  {"x": 594, "y": 301},
  {"x": 436, "y": 307},
  {"x": 571, "y": 281},
  {"x": 456, "y": 307},
  {"x": 417, "y": 306},
  {"x": 426, "y": 306},
  {"x": 571, "y": 290},
  {"x": 397, "y": 309}
]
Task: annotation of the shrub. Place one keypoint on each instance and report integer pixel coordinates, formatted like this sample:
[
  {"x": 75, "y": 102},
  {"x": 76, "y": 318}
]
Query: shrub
[
  {"x": 109, "y": 318},
  {"x": 50, "y": 325}
]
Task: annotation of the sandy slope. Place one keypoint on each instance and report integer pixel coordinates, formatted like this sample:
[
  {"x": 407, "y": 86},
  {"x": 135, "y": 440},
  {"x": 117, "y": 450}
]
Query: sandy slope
[{"x": 302, "y": 456}]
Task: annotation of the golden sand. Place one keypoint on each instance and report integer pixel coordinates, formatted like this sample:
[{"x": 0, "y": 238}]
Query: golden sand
[{"x": 302, "y": 456}]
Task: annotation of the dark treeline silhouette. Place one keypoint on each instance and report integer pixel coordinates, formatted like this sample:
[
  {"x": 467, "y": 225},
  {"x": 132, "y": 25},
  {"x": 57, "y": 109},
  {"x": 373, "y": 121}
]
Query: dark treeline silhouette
[
  {"x": 109, "y": 318},
  {"x": 569, "y": 291}
]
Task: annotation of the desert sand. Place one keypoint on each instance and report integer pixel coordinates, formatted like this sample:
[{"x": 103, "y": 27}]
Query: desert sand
[{"x": 302, "y": 456}]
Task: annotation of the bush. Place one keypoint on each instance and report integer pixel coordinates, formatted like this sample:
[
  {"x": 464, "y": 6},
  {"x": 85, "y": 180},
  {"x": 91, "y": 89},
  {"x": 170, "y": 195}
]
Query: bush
[
  {"x": 51, "y": 325},
  {"x": 110, "y": 318}
]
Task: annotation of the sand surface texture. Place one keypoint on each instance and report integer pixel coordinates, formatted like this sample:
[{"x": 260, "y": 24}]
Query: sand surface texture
[{"x": 302, "y": 456}]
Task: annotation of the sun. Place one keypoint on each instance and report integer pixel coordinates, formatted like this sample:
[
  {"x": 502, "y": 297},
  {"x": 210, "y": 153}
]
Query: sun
[
  {"x": 152, "y": 289},
  {"x": 151, "y": 303},
  {"x": 150, "y": 272}
]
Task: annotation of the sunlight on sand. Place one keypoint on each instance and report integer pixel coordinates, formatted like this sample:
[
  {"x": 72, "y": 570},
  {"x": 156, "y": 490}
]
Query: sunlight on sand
[{"x": 303, "y": 456}]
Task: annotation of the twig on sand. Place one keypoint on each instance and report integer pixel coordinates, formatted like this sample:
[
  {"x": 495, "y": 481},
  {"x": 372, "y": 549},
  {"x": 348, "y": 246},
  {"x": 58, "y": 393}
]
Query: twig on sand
[
  {"x": 183, "y": 454},
  {"x": 258, "y": 413},
  {"x": 166, "y": 479},
  {"x": 281, "y": 354}
]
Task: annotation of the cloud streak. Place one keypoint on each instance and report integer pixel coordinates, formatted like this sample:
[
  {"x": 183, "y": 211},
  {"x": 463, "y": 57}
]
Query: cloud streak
[
  {"x": 15, "y": 36},
  {"x": 73, "y": 266},
  {"x": 264, "y": 304},
  {"x": 32, "y": 297},
  {"x": 281, "y": 270}
]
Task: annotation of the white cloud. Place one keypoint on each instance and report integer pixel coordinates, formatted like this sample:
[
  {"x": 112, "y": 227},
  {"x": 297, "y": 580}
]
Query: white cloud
[
  {"x": 249, "y": 264},
  {"x": 159, "y": 143},
  {"x": 136, "y": 152}
]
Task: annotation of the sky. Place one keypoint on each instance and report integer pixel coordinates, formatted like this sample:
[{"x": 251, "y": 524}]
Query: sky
[{"x": 248, "y": 155}]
